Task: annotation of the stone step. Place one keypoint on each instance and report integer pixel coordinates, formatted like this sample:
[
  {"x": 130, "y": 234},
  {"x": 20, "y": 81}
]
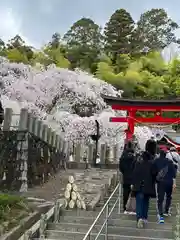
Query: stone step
[
  {"x": 63, "y": 235},
  {"x": 81, "y": 213},
  {"x": 112, "y": 222},
  {"x": 175, "y": 198},
  {"x": 152, "y": 208},
  {"x": 117, "y": 230},
  {"x": 152, "y": 202},
  {"x": 74, "y": 224},
  {"x": 102, "y": 237},
  {"x": 152, "y": 211}
]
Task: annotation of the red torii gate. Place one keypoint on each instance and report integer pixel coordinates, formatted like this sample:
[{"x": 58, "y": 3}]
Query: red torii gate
[{"x": 134, "y": 105}]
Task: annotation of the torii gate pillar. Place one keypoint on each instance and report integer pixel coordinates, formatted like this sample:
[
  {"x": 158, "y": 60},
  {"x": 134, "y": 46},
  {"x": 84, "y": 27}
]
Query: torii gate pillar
[{"x": 131, "y": 125}]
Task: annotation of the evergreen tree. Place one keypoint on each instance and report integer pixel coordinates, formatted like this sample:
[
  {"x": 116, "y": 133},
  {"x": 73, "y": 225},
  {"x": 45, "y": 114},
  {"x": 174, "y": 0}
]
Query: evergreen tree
[
  {"x": 155, "y": 30},
  {"x": 84, "y": 42},
  {"x": 118, "y": 33}
]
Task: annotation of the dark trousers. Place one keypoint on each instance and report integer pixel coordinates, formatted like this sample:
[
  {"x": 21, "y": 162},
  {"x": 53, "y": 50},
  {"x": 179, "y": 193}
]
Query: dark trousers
[
  {"x": 142, "y": 205},
  {"x": 126, "y": 192},
  {"x": 162, "y": 190}
]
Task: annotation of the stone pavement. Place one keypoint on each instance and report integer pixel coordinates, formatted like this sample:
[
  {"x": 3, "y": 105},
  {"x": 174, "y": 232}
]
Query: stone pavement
[
  {"x": 74, "y": 224},
  {"x": 92, "y": 185}
]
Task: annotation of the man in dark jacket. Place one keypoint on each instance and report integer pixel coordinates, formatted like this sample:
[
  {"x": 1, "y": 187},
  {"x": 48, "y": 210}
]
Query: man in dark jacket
[
  {"x": 165, "y": 183},
  {"x": 143, "y": 182},
  {"x": 126, "y": 167}
]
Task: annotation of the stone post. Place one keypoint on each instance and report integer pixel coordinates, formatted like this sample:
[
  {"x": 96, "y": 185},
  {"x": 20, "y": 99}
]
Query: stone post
[{"x": 22, "y": 147}]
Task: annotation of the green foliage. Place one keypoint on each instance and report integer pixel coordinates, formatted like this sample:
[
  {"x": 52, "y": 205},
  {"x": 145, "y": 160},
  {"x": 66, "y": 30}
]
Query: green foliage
[
  {"x": 155, "y": 30},
  {"x": 118, "y": 33},
  {"x": 12, "y": 209},
  {"x": 126, "y": 55},
  {"x": 14, "y": 55},
  {"x": 42, "y": 58},
  {"x": 9, "y": 201},
  {"x": 154, "y": 63},
  {"x": 122, "y": 62},
  {"x": 148, "y": 77},
  {"x": 17, "y": 43},
  {"x": 84, "y": 43},
  {"x": 55, "y": 56}
]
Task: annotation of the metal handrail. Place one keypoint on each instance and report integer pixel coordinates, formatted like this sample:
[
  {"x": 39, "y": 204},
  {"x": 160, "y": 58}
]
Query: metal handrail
[{"x": 108, "y": 214}]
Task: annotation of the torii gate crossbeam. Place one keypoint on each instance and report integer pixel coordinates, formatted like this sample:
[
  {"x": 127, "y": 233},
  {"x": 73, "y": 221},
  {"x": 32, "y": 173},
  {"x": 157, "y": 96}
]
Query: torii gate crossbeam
[{"x": 132, "y": 106}]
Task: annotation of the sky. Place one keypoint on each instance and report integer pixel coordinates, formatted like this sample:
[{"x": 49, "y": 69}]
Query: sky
[{"x": 36, "y": 20}]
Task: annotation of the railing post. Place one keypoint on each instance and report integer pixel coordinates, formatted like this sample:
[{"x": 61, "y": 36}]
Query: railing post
[
  {"x": 28, "y": 235},
  {"x": 105, "y": 222},
  {"x": 7, "y": 119},
  {"x": 22, "y": 148},
  {"x": 119, "y": 202},
  {"x": 57, "y": 211},
  {"x": 103, "y": 155},
  {"x": 42, "y": 227},
  {"x": 106, "y": 225}
]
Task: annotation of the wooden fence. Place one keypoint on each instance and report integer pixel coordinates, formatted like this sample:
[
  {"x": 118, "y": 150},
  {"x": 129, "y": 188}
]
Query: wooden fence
[{"x": 30, "y": 152}]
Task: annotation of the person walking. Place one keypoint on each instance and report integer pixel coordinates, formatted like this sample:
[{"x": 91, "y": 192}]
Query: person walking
[
  {"x": 174, "y": 156},
  {"x": 143, "y": 182},
  {"x": 126, "y": 167},
  {"x": 166, "y": 182},
  {"x": 135, "y": 143}
]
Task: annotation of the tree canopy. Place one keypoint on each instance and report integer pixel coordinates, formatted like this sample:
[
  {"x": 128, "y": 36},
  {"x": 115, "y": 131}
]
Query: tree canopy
[
  {"x": 126, "y": 54},
  {"x": 118, "y": 33}
]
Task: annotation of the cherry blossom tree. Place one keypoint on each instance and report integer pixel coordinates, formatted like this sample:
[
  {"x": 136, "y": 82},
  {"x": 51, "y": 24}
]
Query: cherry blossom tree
[{"x": 68, "y": 101}]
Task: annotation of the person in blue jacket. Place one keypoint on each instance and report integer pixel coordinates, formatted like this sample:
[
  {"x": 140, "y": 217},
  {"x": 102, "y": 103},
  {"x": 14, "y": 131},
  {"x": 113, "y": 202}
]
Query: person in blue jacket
[
  {"x": 143, "y": 182},
  {"x": 166, "y": 182}
]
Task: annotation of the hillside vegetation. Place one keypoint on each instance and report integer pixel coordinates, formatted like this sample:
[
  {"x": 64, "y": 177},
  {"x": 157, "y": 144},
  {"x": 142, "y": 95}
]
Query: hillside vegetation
[
  {"x": 126, "y": 54},
  {"x": 62, "y": 82}
]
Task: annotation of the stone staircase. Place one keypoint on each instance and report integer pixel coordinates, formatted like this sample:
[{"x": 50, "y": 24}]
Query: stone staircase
[{"x": 74, "y": 224}]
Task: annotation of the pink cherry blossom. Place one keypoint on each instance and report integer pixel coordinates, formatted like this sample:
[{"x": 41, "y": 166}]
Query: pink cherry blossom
[{"x": 68, "y": 101}]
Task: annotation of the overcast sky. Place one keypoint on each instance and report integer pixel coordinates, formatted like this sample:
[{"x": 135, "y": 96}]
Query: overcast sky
[{"x": 37, "y": 20}]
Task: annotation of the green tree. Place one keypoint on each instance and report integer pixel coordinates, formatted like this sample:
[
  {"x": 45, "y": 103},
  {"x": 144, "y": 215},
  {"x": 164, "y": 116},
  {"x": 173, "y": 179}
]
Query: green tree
[
  {"x": 18, "y": 43},
  {"x": 105, "y": 72},
  {"x": 84, "y": 43},
  {"x": 122, "y": 62},
  {"x": 172, "y": 78},
  {"x": 2, "y": 48},
  {"x": 104, "y": 58},
  {"x": 42, "y": 58},
  {"x": 14, "y": 55},
  {"x": 154, "y": 86},
  {"x": 55, "y": 41},
  {"x": 55, "y": 56},
  {"x": 118, "y": 33},
  {"x": 154, "y": 63},
  {"x": 127, "y": 81},
  {"x": 146, "y": 77},
  {"x": 155, "y": 30}
]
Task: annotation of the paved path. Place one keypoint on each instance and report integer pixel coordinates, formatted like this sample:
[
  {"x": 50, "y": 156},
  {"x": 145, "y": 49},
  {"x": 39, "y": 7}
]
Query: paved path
[{"x": 90, "y": 183}]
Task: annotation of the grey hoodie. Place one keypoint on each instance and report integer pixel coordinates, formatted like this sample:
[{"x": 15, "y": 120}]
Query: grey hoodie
[{"x": 174, "y": 156}]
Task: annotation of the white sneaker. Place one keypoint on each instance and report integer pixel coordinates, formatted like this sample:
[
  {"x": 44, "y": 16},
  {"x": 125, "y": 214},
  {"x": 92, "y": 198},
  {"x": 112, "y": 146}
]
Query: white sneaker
[
  {"x": 145, "y": 221},
  {"x": 140, "y": 223},
  {"x": 132, "y": 213},
  {"x": 167, "y": 214},
  {"x": 125, "y": 212}
]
